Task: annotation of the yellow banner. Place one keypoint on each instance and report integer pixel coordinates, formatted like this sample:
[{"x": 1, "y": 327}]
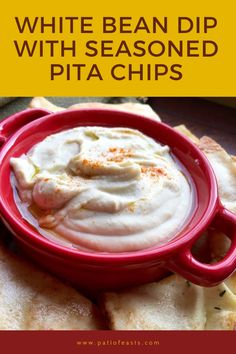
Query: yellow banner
[{"x": 122, "y": 48}]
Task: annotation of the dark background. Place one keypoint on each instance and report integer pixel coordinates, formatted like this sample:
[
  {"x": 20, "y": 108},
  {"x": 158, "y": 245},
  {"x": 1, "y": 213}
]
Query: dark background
[{"x": 201, "y": 116}]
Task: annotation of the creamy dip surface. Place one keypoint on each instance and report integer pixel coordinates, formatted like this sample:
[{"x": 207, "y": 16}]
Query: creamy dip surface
[{"x": 104, "y": 189}]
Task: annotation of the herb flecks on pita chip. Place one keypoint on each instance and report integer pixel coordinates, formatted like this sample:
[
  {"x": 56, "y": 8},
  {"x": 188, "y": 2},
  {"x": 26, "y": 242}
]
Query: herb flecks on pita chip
[{"x": 172, "y": 304}]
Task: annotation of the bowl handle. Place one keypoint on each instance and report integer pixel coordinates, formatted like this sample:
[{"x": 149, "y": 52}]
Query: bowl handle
[
  {"x": 209, "y": 274},
  {"x": 11, "y": 124}
]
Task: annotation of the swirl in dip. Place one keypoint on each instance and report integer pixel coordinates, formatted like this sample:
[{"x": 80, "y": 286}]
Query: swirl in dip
[{"x": 104, "y": 189}]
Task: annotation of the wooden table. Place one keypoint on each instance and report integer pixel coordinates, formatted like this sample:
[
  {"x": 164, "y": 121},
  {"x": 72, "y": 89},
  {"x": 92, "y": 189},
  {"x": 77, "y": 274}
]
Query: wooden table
[{"x": 201, "y": 117}]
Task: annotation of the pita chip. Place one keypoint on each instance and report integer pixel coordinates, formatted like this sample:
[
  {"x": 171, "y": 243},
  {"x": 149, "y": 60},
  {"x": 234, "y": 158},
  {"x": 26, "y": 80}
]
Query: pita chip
[
  {"x": 173, "y": 303},
  {"x": 138, "y": 108},
  {"x": 33, "y": 300}
]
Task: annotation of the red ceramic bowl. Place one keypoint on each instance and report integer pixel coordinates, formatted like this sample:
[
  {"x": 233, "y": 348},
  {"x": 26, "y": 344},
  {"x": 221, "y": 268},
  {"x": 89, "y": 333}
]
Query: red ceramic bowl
[{"x": 100, "y": 271}]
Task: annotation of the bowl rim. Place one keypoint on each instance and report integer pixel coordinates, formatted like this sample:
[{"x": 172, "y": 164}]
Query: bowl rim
[{"x": 33, "y": 237}]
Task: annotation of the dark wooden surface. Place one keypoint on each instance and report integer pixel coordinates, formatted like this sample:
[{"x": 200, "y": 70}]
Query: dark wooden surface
[{"x": 201, "y": 117}]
